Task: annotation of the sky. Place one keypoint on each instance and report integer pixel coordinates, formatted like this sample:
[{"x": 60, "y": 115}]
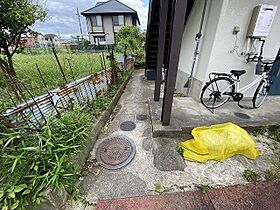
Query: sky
[{"x": 62, "y": 16}]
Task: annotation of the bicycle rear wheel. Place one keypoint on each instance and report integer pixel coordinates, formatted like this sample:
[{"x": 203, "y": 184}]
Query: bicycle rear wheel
[
  {"x": 212, "y": 93},
  {"x": 260, "y": 94}
]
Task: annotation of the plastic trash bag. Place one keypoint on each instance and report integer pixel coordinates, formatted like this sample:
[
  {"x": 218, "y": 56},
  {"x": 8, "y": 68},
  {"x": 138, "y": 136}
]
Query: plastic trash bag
[{"x": 218, "y": 142}]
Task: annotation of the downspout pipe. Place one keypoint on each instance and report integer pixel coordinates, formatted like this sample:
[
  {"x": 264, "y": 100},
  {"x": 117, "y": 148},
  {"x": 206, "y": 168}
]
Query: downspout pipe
[{"x": 198, "y": 36}]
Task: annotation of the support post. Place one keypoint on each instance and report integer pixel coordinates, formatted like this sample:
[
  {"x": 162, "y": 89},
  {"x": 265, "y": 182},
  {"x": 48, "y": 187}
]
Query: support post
[
  {"x": 161, "y": 46},
  {"x": 178, "y": 26}
]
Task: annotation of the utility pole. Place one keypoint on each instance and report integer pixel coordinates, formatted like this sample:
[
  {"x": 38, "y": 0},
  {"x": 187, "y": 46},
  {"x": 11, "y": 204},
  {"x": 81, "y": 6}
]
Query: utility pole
[{"x": 78, "y": 14}]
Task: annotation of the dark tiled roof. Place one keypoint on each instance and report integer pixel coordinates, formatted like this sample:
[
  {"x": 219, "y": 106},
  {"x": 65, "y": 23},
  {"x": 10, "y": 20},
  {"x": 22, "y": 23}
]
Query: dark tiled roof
[
  {"x": 98, "y": 3},
  {"x": 50, "y": 36},
  {"x": 111, "y": 6}
]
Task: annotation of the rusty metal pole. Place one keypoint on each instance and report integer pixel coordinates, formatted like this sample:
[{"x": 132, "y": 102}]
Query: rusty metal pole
[
  {"x": 101, "y": 61},
  {"x": 103, "y": 58},
  {"x": 47, "y": 88},
  {"x": 37, "y": 105},
  {"x": 22, "y": 113},
  {"x": 73, "y": 77},
  {"x": 60, "y": 67}
]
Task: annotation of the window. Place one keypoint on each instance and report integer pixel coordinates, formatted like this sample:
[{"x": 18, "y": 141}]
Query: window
[
  {"x": 99, "y": 40},
  {"x": 96, "y": 20},
  {"x": 118, "y": 20}
]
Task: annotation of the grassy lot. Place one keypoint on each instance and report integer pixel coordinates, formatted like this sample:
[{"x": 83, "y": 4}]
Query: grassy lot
[{"x": 82, "y": 64}]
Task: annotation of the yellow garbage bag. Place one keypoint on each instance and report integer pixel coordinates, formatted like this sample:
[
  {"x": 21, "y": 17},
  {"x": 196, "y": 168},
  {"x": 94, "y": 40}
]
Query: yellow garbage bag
[{"x": 218, "y": 142}]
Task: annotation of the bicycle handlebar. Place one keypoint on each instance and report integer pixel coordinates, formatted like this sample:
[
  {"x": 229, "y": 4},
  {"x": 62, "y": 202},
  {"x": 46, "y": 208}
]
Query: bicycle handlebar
[{"x": 259, "y": 59}]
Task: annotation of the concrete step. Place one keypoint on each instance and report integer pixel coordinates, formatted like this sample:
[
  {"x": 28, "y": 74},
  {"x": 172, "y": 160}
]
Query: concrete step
[{"x": 188, "y": 114}]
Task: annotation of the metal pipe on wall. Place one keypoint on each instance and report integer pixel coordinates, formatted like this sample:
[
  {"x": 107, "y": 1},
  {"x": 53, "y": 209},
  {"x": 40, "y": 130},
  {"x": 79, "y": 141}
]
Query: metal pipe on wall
[{"x": 198, "y": 36}]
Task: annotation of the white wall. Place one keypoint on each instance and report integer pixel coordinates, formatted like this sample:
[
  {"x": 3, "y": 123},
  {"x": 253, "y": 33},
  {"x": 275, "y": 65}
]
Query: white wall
[{"x": 218, "y": 40}]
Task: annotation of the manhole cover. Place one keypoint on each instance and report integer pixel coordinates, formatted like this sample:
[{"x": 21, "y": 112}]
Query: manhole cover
[
  {"x": 242, "y": 115},
  {"x": 127, "y": 126},
  {"x": 115, "y": 152},
  {"x": 141, "y": 117}
]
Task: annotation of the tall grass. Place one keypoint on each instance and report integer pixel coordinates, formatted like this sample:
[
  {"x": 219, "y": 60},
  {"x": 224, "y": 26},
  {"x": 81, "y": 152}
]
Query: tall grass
[{"x": 82, "y": 65}]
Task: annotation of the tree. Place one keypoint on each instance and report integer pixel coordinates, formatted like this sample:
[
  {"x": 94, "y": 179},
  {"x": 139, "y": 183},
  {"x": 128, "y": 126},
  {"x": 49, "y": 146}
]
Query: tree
[
  {"x": 16, "y": 17},
  {"x": 129, "y": 40}
]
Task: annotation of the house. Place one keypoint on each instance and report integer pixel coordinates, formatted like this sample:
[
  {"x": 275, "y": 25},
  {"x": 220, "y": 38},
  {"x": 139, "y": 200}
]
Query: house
[
  {"x": 197, "y": 37},
  {"x": 32, "y": 39},
  {"x": 52, "y": 39},
  {"x": 106, "y": 18}
]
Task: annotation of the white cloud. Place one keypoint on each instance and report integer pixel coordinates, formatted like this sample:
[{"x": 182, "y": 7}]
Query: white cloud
[
  {"x": 62, "y": 16},
  {"x": 141, "y": 9}
]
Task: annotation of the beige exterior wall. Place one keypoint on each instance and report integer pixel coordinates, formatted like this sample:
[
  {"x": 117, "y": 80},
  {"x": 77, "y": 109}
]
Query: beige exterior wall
[
  {"x": 107, "y": 29},
  {"x": 217, "y": 41}
]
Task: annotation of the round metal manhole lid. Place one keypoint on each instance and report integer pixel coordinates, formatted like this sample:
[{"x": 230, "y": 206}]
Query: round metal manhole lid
[
  {"x": 115, "y": 152},
  {"x": 242, "y": 115},
  {"x": 127, "y": 126},
  {"x": 141, "y": 117}
]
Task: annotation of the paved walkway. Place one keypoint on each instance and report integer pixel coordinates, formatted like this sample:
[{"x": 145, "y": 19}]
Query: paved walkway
[
  {"x": 158, "y": 162},
  {"x": 262, "y": 196}
]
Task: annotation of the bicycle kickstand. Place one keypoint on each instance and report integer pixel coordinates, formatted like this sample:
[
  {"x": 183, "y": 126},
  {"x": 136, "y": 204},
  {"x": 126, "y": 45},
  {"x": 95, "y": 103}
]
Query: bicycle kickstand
[{"x": 238, "y": 103}]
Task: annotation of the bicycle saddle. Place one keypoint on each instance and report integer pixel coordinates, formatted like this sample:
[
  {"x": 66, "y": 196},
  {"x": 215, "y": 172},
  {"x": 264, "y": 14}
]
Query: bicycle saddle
[{"x": 238, "y": 73}]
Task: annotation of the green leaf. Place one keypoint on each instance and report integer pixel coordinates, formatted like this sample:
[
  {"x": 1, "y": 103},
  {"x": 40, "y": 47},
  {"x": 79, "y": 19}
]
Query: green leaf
[
  {"x": 12, "y": 195},
  {"x": 20, "y": 187},
  {"x": 15, "y": 205},
  {"x": 25, "y": 192},
  {"x": 1, "y": 194},
  {"x": 30, "y": 148},
  {"x": 14, "y": 165}
]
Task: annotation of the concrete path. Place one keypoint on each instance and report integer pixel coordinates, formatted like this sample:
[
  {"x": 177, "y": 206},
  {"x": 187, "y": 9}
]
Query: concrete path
[{"x": 157, "y": 161}]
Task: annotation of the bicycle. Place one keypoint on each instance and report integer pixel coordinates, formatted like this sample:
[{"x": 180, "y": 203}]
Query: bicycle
[{"x": 224, "y": 86}]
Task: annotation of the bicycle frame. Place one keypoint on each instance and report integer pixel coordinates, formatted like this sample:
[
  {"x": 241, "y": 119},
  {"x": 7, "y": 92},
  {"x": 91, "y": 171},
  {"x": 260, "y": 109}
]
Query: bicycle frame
[{"x": 246, "y": 87}]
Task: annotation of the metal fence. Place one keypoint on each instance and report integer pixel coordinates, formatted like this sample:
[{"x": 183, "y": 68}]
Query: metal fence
[{"x": 34, "y": 113}]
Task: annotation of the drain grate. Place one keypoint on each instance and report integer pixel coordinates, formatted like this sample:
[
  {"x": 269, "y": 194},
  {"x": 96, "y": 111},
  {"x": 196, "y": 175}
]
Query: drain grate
[
  {"x": 127, "y": 126},
  {"x": 115, "y": 152},
  {"x": 242, "y": 115},
  {"x": 141, "y": 117}
]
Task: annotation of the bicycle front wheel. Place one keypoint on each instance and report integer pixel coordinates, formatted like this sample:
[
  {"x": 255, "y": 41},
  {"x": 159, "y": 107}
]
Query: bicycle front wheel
[
  {"x": 212, "y": 94},
  {"x": 260, "y": 94}
]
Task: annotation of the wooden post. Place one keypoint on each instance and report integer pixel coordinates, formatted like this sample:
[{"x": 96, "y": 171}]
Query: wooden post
[
  {"x": 161, "y": 46},
  {"x": 178, "y": 27}
]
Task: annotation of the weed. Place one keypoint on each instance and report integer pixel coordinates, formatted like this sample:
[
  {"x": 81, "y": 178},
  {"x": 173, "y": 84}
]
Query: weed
[
  {"x": 204, "y": 188},
  {"x": 251, "y": 176},
  {"x": 261, "y": 130},
  {"x": 274, "y": 172},
  {"x": 274, "y": 132},
  {"x": 159, "y": 188},
  {"x": 180, "y": 150}
]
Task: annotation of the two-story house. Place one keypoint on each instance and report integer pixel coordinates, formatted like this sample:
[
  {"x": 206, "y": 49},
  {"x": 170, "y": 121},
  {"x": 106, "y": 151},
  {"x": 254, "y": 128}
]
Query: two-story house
[{"x": 106, "y": 18}]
